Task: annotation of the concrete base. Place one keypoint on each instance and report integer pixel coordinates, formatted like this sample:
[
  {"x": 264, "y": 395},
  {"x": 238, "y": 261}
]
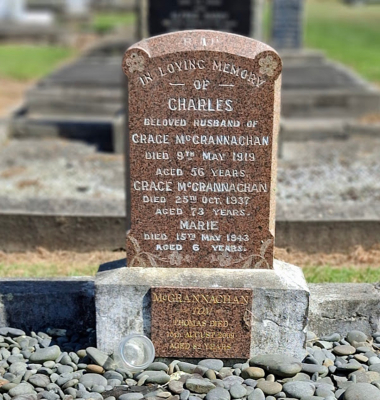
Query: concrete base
[
  {"x": 35, "y": 304},
  {"x": 280, "y": 302},
  {"x": 342, "y": 307}
]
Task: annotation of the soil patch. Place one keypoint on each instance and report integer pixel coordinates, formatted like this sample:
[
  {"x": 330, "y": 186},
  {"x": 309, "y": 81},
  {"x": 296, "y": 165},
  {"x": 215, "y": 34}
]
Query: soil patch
[{"x": 11, "y": 94}]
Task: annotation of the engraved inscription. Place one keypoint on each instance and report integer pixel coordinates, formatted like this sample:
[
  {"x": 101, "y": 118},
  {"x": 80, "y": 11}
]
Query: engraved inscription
[{"x": 196, "y": 322}]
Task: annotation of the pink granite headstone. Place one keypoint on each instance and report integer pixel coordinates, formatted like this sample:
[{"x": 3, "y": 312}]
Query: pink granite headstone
[{"x": 203, "y": 112}]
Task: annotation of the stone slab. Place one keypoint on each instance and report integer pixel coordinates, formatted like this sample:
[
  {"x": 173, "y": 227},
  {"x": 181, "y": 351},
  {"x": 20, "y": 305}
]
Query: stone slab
[
  {"x": 98, "y": 72},
  {"x": 201, "y": 159},
  {"x": 333, "y": 103},
  {"x": 22, "y": 232},
  {"x": 201, "y": 323},
  {"x": 97, "y": 131},
  {"x": 327, "y": 75},
  {"x": 51, "y": 102},
  {"x": 279, "y": 311}
]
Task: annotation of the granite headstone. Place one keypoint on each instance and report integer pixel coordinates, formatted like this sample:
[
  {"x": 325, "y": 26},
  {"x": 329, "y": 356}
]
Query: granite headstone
[
  {"x": 200, "y": 278},
  {"x": 201, "y": 159}
]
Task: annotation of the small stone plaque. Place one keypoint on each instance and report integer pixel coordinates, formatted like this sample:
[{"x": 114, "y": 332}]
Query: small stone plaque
[
  {"x": 201, "y": 323},
  {"x": 203, "y": 112}
]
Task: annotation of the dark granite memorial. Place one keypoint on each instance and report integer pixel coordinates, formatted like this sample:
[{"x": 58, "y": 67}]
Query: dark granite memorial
[{"x": 239, "y": 16}]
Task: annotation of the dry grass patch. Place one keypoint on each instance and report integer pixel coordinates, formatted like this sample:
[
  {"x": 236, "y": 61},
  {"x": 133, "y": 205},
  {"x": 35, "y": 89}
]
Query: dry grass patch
[
  {"x": 358, "y": 257},
  {"x": 357, "y": 266},
  {"x": 46, "y": 264}
]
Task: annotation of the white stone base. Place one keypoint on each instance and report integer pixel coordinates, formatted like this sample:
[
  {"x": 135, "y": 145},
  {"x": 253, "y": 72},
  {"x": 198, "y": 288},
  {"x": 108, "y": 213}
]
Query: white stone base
[{"x": 280, "y": 302}]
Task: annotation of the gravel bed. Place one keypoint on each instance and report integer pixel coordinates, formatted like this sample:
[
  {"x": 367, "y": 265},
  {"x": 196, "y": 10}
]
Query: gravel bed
[
  {"x": 62, "y": 173},
  {"x": 344, "y": 171},
  {"x": 62, "y": 365}
]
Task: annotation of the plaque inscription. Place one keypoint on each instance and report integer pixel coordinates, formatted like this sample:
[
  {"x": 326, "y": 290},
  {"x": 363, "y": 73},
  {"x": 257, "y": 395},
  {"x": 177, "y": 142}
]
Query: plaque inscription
[{"x": 198, "y": 322}]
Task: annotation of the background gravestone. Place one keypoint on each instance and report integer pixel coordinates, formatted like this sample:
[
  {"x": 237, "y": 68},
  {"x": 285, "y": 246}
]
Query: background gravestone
[
  {"x": 287, "y": 24},
  {"x": 243, "y": 17},
  {"x": 203, "y": 111}
]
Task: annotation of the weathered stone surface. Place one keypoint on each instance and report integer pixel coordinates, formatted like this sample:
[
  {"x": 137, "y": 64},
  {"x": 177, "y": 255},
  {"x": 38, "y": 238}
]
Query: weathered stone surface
[
  {"x": 281, "y": 365},
  {"x": 47, "y": 354},
  {"x": 199, "y": 385},
  {"x": 331, "y": 310},
  {"x": 159, "y": 377},
  {"x": 218, "y": 394},
  {"x": 253, "y": 372},
  {"x": 362, "y": 391},
  {"x": 21, "y": 389},
  {"x": 299, "y": 389},
  {"x": 39, "y": 380},
  {"x": 90, "y": 380},
  {"x": 99, "y": 357},
  {"x": 269, "y": 388},
  {"x": 344, "y": 350},
  {"x": 212, "y": 363},
  {"x": 238, "y": 391}
]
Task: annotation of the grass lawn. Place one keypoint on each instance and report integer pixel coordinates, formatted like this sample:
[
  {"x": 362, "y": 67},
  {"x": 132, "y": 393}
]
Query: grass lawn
[
  {"x": 23, "y": 62},
  {"x": 28, "y": 62},
  {"x": 326, "y": 273},
  {"x": 105, "y": 22},
  {"x": 347, "y": 34}
]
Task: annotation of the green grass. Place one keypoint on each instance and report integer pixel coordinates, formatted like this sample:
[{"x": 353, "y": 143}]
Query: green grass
[
  {"x": 347, "y": 34},
  {"x": 328, "y": 274},
  {"x": 105, "y": 22},
  {"x": 24, "y": 62}
]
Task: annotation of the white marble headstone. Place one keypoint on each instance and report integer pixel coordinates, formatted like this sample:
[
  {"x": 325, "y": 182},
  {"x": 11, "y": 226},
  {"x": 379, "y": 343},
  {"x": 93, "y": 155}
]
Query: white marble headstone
[{"x": 77, "y": 7}]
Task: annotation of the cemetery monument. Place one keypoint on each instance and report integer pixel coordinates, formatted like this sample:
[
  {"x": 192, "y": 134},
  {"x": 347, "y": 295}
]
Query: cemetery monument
[
  {"x": 243, "y": 17},
  {"x": 200, "y": 278}
]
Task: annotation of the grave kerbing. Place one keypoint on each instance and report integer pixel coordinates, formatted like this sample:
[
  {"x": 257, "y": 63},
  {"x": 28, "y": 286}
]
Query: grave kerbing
[{"x": 176, "y": 164}]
